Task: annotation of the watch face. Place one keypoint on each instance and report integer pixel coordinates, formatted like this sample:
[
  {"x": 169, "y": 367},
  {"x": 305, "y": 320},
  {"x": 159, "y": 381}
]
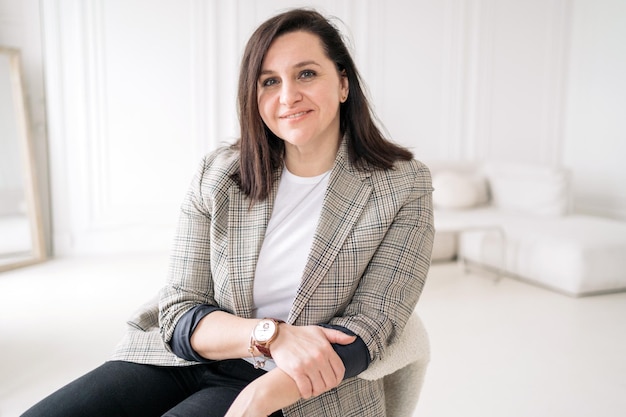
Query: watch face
[{"x": 264, "y": 331}]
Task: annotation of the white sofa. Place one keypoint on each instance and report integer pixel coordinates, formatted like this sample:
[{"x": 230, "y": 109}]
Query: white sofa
[{"x": 516, "y": 219}]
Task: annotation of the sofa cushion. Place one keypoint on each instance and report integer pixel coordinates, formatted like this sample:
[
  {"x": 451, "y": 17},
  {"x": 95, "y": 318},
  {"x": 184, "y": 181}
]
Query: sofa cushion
[
  {"x": 529, "y": 189},
  {"x": 455, "y": 190},
  {"x": 444, "y": 246}
]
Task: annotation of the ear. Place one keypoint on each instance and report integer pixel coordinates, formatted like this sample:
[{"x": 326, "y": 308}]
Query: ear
[{"x": 345, "y": 86}]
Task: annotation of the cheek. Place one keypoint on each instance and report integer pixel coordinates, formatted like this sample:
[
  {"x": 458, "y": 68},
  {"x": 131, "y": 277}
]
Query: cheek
[{"x": 264, "y": 109}]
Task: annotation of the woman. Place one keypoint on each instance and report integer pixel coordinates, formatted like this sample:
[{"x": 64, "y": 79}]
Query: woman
[{"x": 300, "y": 254}]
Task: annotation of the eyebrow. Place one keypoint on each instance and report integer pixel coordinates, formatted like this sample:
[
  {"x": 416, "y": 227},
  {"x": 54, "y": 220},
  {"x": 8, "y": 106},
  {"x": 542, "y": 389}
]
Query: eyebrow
[{"x": 298, "y": 65}]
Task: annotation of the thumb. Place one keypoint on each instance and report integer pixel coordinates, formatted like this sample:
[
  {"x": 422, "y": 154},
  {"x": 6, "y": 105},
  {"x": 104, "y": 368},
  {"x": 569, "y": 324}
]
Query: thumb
[{"x": 337, "y": 336}]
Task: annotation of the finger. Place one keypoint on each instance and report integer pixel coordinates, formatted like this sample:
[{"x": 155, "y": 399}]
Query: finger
[
  {"x": 328, "y": 380},
  {"x": 318, "y": 373},
  {"x": 319, "y": 382},
  {"x": 331, "y": 371},
  {"x": 338, "y": 369},
  {"x": 337, "y": 336},
  {"x": 304, "y": 386}
]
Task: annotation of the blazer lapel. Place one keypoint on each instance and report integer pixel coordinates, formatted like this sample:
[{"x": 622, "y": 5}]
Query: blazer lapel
[
  {"x": 246, "y": 230},
  {"x": 345, "y": 199}
]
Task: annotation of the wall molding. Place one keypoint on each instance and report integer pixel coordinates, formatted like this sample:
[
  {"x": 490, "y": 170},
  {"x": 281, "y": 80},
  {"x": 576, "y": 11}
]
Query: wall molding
[
  {"x": 554, "y": 106},
  {"x": 89, "y": 214},
  {"x": 53, "y": 22},
  {"x": 97, "y": 186},
  {"x": 480, "y": 95},
  {"x": 455, "y": 67}
]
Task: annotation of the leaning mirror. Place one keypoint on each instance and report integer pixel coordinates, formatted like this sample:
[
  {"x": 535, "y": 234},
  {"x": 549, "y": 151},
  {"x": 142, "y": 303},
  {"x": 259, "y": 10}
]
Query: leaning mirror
[{"x": 21, "y": 236}]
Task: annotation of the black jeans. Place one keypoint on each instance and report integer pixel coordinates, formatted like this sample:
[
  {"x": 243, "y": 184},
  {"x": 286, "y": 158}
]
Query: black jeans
[{"x": 124, "y": 389}]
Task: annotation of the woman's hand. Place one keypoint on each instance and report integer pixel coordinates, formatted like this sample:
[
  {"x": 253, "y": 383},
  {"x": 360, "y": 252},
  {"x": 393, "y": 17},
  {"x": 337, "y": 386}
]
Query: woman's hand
[
  {"x": 266, "y": 394},
  {"x": 307, "y": 366},
  {"x": 306, "y": 355}
]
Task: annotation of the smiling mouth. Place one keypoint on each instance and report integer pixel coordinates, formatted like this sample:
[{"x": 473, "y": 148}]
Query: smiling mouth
[{"x": 295, "y": 115}]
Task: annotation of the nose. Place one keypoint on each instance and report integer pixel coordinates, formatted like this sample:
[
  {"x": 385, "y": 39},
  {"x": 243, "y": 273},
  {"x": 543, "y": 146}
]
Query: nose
[{"x": 289, "y": 93}]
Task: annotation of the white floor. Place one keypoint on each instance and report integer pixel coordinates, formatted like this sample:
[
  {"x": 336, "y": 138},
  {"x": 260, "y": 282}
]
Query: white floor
[{"x": 498, "y": 349}]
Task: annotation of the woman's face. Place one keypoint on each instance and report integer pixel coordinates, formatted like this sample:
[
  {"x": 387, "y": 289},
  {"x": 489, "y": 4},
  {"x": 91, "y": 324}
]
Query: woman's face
[{"x": 299, "y": 93}]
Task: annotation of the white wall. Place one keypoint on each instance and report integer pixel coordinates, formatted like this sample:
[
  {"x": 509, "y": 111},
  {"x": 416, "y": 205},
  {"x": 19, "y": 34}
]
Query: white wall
[
  {"x": 138, "y": 90},
  {"x": 595, "y": 145},
  {"x": 475, "y": 79}
]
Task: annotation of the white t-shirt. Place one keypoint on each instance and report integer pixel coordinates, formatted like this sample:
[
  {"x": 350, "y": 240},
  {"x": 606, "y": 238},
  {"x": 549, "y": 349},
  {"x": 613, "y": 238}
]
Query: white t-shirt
[
  {"x": 286, "y": 246},
  {"x": 287, "y": 243}
]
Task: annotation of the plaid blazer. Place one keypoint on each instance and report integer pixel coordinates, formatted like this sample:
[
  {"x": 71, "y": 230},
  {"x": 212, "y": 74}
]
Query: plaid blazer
[{"x": 366, "y": 269}]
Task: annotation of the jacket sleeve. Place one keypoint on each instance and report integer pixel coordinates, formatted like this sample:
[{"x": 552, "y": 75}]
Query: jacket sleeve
[
  {"x": 181, "y": 339},
  {"x": 355, "y": 356},
  {"x": 189, "y": 278},
  {"x": 392, "y": 281}
]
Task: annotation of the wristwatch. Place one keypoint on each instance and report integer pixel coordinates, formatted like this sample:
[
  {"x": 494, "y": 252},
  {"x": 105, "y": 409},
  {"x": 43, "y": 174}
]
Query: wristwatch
[{"x": 264, "y": 333}]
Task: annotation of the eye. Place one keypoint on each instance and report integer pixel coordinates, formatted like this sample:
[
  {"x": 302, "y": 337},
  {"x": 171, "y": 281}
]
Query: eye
[
  {"x": 306, "y": 74},
  {"x": 268, "y": 82}
]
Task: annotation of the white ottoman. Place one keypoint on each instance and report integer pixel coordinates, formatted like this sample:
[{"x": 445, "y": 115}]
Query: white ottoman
[
  {"x": 577, "y": 255},
  {"x": 444, "y": 246}
]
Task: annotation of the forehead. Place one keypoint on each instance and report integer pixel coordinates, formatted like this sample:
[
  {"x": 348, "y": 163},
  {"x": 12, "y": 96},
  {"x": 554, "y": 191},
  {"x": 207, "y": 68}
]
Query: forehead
[{"x": 294, "y": 47}]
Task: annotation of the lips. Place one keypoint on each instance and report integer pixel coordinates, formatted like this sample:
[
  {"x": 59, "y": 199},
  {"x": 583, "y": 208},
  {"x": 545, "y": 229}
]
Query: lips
[{"x": 294, "y": 115}]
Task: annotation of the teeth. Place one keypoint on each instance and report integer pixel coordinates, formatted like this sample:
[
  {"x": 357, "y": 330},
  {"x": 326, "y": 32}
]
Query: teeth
[{"x": 293, "y": 116}]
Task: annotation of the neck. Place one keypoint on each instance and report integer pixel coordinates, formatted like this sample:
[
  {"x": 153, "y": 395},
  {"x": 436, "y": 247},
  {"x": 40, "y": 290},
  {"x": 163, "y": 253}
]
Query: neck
[{"x": 309, "y": 164}]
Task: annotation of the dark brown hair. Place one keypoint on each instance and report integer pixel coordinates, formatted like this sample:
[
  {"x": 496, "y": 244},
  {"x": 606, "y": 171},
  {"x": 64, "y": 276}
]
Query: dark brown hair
[{"x": 261, "y": 152}]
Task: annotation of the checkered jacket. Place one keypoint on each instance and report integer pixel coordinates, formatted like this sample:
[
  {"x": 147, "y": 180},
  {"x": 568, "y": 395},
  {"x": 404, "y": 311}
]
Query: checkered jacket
[{"x": 366, "y": 269}]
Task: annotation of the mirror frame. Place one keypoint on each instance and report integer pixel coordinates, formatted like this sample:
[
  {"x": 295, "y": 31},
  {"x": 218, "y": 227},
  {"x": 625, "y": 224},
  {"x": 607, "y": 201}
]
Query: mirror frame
[{"x": 38, "y": 253}]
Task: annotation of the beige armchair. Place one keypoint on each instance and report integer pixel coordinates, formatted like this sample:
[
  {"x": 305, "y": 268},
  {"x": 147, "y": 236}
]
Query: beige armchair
[{"x": 403, "y": 369}]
